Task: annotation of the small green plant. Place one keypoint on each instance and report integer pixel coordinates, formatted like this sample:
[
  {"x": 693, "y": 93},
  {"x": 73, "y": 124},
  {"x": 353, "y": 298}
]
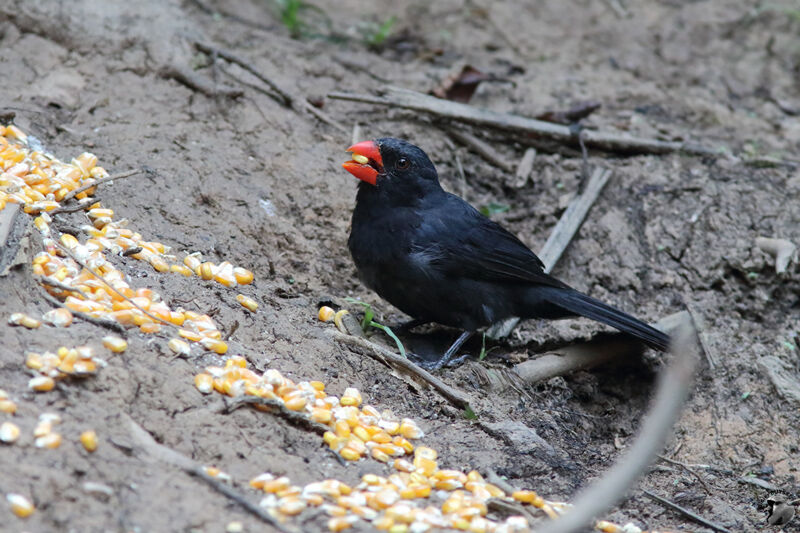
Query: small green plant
[
  {"x": 492, "y": 208},
  {"x": 376, "y": 34},
  {"x": 469, "y": 414},
  {"x": 302, "y": 19},
  {"x": 484, "y": 351},
  {"x": 368, "y": 322}
]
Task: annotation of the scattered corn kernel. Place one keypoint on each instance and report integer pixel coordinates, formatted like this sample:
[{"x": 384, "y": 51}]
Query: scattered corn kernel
[
  {"x": 325, "y": 314},
  {"x": 337, "y": 319},
  {"x": 50, "y": 440},
  {"x": 8, "y": 407},
  {"x": 183, "y": 270},
  {"x": 243, "y": 276},
  {"x": 21, "y": 319},
  {"x": 115, "y": 344},
  {"x": 20, "y": 505},
  {"x": 89, "y": 440},
  {"x": 60, "y": 317},
  {"x": 41, "y": 383},
  {"x": 247, "y": 302},
  {"x": 9, "y": 432}
]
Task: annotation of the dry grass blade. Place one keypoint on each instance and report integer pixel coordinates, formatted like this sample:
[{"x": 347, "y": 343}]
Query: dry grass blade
[{"x": 673, "y": 388}]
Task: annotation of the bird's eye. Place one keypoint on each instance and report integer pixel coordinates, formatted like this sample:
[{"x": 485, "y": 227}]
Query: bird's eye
[{"x": 403, "y": 163}]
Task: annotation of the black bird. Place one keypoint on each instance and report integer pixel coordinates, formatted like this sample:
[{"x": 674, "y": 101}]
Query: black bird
[{"x": 438, "y": 259}]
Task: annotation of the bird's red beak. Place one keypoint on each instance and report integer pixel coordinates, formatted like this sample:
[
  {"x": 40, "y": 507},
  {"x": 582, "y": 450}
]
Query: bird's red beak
[{"x": 366, "y": 162}]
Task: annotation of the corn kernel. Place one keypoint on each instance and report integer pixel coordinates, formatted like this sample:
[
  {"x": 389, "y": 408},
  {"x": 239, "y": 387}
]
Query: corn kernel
[
  {"x": 8, "y": 407},
  {"x": 206, "y": 270},
  {"x": 350, "y": 454},
  {"x": 9, "y": 432},
  {"x": 410, "y": 430},
  {"x": 59, "y": 317},
  {"x": 276, "y": 485},
  {"x": 193, "y": 261},
  {"x": 291, "y": 506},
  {"x": 41, "y": 383},
  {"x": 340, "y": 523},
  {"x": 89, "y": 440},
  {"x": 296, "y": 403},
  {"x": 323, "y": 416},
  {"x": 190, "y": 335},
  {"x": 524, "y": 496},
  {"x": 21, "y": 319},
  {"x": 183, "y": 270},
  {"x": 325, "y": 314},
  {"x": 247, "y": 303},
  {"x": 20, "y": 505},
  {"x": 115, "y": 344},
  {"x": 214, "y": 345},
  {"x": 243, "y": 276},
  {"x": 50, "y": 441},
  {"x": 337, "y": 319}
]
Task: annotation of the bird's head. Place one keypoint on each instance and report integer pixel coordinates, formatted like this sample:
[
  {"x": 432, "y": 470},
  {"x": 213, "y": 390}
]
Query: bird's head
[{"x": 392, "y": 164}]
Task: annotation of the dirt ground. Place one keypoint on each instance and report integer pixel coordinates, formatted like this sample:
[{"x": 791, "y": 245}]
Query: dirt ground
[{"x": 251, "y": 181}]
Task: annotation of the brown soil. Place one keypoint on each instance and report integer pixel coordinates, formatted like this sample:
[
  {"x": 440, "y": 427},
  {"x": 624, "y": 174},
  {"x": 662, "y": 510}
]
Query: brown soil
[{"x": 668, "y": 230}]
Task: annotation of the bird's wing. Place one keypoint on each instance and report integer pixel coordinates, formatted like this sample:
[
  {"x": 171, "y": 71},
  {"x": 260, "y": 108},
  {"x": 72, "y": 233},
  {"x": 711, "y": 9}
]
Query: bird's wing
[{"x": 461, "y": 242}]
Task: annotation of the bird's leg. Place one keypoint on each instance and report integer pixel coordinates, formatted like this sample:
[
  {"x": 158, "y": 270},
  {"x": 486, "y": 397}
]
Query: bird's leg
[{"x": 451, "y": 351}]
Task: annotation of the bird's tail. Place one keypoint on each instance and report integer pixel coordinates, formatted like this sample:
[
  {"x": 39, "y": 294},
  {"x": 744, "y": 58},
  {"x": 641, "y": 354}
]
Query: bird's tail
[{"x": 583, "y": 305}]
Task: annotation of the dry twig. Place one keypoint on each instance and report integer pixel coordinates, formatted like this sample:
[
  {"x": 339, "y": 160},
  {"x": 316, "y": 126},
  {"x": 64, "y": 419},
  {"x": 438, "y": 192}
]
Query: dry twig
[
  {"x": 102, "y": 322},
  {"x": 673, "y": 388},
  {"x": 686, "y": 512},
  {"x": 535, "y": 129},
  {"x": 160, "y": 452},
  {"x": 85, "y": 187},
  {"x": 481, "y": 148},
  {"x": 278, "y": 408},
  {"x": 379, "y": 353},
  {"x": 191, "y": 80}
]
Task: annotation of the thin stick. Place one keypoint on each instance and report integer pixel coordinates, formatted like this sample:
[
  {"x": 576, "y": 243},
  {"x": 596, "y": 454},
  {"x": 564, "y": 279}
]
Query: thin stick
[
  {"x": 47, "y": 280},
  {"x": 503, "y": 506},
  {"x": 280, "y": 409},
  {"x": 536, "y": 129},
  {"x": 685, "y": 512},
  {"x": 688, "y": 469},
  {"x": 481, "y": 148},
  {"x": 561, "y": 236},
  {"x": 286, "y": 98},
  {"x": 167, "y": 455},
  {"x": 86, "y": 186},
  {"x": 673, "y": 388},
  {"x": 80, "y": 206},
  {"x": 702, "y": 335},
  {"x": 379, "y": 353},
  {"x": 191, "y": 80},
  {"x": 524, "y": 168},
  {"x": 102, "y": 322}
]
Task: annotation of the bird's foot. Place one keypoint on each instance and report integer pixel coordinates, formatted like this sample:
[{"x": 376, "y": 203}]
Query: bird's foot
[{"x": 436, "y": 364}]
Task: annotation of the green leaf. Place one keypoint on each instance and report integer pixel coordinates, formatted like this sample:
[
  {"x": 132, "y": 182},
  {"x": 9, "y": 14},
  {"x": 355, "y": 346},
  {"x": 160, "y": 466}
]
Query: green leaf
[
  {"x": 388, "y": 331},
  {"x": 492, "y": 208},
  {"x": 469, "y": 414}
]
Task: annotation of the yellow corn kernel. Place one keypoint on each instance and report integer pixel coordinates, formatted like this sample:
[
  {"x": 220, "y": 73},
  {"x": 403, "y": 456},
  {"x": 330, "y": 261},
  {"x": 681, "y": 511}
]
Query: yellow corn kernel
[
  {"x": 350, "y": 454},
  {"x": 296, "y": 403},
  {"x": 321, "y": 415},
  {"x": 325, "y": 314},
  {"x": 115, "y": 344},
  {"x": 99, "y": 212},
  {"x": 9, "y": 432},
  {"x": 204, "y": 383},
  {"x": 380, "y": 455},
  {"x": 425, "y": 466},
  {"x": 243, "y": 276},
  {"x": 291, "y": 506},
  {"x": 524, "y": 496},
  {"x": 20, "y": 505},
  {"x": 69, "y": 241},
  {"x": 50, "y": 441},
  {"x": 41, "y": 383},
  {"x": 207, "y": 270},
  {"x": 183, "y": 270},
  {"x": 150, "y": 327},
  {"x": 21, "y": 319},
  {"x": 193, "y": 261},
  {"x": 60, "y": 317},
  {"x": 89, "y": 440},
  {"x": 190, "y": 335},
  {"x": 495, "y": 491},
  {"x": 342, "y": 428},
  {"x": 158, "y": 263},
  {"x": 350, "y": 397},
  {"x": 8, "y": 407},
  {"x": 448, "y": 484},
  {"x": 215, "y": 345},
  {"x": 276, "y": 485},
  {"x": 410, "y": 430},
  {"x": 247, "y": 302}
]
